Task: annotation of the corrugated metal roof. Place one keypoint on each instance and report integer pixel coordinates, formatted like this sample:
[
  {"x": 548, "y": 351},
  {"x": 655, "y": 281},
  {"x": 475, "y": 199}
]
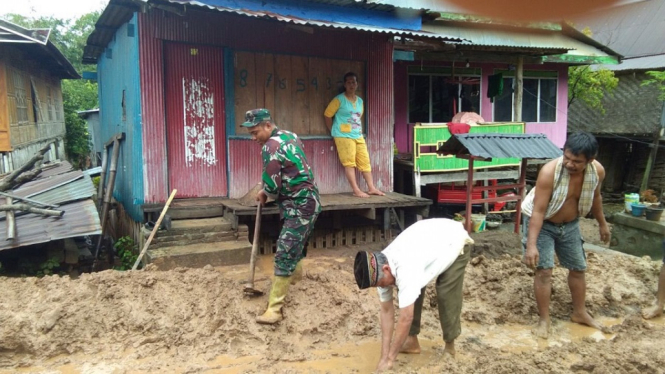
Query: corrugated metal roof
[
  {"x": 631, "y": 109},
  {"x": 39, "y": 186},
  {"x": 318, "y": 23},
  {"x": 542, "y": 41},
  {"x": 634, "y": 30},
  {"x": 656, "y": 62},
  {"x": 119, "y": 12},
  {"x": 36, "y": 44},
  {"x": 70, "y": 190},
  {"x": 81, "y": 218},
  {"x": 49, "y": 171},
  {"x": 488, "y": 146},
  {"x": 78, "y": 189}
]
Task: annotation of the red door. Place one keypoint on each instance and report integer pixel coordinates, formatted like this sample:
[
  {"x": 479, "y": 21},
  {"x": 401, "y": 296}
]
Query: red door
[{"x": 195, "y": 133}]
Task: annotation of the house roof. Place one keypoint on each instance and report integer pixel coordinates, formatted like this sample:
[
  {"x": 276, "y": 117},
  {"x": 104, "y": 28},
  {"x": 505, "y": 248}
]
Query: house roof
[
  {"x": 632, "y": 109},
  {"x": 554, "y": 41},
  {"x": 488, "y": 146},
  {"x": 656, "y": 62},
  {"x": 634, "y": 30},
  {"x": 120, "y": 11},
  {"x": 35, "y": 42},
  {"x": 59, "y": 185}
]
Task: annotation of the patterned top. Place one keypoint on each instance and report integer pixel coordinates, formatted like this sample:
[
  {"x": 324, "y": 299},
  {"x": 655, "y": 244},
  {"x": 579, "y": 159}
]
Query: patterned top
[
  {"x": 560, "y": 191},
  {"x": 346, "y": 117},
  {"x": 287, "y": 177}
]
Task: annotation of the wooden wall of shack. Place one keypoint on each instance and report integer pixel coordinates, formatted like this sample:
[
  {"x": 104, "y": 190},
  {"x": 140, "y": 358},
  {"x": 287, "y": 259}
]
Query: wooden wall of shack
[
  {"x": 625, "y": 162},
  {"x": 31, "y": 109}
]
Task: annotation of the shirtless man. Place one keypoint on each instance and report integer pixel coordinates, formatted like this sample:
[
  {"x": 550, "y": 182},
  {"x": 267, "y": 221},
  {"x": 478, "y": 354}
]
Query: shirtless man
[{"x": 567, "y": 188}]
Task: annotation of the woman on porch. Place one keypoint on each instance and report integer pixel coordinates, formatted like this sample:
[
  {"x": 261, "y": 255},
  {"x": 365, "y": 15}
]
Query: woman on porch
[{"x": 343, "y": 119}]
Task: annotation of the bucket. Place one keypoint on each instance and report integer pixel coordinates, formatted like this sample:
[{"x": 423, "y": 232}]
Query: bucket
[
  {"x": 630, "y": 198},
  {"x": 637, "y": 209},
  {"x": 478, "y": 222},
  {"x": 654, "y": 213}
]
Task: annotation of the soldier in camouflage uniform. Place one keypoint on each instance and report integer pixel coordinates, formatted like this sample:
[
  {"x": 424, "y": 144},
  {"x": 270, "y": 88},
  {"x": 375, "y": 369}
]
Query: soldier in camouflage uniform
[{"x": 288, "y": 179}]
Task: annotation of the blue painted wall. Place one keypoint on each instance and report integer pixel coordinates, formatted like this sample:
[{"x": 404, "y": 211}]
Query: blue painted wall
[
  {"x": 118, "y": 72},
  {"x": 324, "y": 12}
]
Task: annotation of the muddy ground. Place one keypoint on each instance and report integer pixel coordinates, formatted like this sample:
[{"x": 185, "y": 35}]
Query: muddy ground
[{"x": 198, "y": 321}]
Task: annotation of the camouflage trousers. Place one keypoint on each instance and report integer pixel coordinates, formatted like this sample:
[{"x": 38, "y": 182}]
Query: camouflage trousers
[{"x": 292, "y": 243}]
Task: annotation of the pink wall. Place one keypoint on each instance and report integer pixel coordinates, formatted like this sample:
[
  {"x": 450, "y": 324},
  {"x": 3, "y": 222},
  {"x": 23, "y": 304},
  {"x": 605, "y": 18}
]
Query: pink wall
[{"x": 556, "y": 131}]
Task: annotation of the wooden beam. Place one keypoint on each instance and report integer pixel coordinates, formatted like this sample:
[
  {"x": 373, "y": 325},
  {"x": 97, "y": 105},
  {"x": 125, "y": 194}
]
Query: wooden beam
[
  {"x": 369, "y": 213},
  {"x": 462, "y": 176},
  {"x": 519, "y": 89},
  {"x": 650, "y": 163}
]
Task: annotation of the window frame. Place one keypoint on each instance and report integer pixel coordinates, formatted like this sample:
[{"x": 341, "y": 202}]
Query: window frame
[
  {"x": 443, "y": 72},
  {"x": 537, "y": 75}
]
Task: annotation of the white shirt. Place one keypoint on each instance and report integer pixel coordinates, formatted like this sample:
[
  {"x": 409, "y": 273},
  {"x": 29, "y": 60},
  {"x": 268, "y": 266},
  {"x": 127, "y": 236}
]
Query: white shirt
[{"x": 420, "y": 254}]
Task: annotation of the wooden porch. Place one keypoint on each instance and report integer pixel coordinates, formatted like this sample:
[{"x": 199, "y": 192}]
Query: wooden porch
[{"x": 345, "y": 219}]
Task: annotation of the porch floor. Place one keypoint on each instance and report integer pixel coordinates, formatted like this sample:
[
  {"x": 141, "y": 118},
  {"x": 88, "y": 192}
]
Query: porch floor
[{"x": 341, "y": 201}]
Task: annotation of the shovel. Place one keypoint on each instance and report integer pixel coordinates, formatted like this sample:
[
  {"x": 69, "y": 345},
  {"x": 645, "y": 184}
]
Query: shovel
[{"x": 249, "y": 286}]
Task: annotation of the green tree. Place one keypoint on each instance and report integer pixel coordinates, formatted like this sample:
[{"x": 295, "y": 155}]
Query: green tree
[
  {"x": 590, "y": 85},
  {"x": 658, "y": 79},
  {"x": 70, "y": 36}
]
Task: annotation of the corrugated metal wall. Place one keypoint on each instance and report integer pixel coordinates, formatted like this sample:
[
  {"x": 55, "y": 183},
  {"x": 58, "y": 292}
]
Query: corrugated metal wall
[
  {"x": 120, "y": 111},
  {"x": 242, "y": 33}
]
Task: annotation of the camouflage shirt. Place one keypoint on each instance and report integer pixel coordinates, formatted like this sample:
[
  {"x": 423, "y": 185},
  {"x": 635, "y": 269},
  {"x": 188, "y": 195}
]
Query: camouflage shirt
[{"x": 287, "y": 176}]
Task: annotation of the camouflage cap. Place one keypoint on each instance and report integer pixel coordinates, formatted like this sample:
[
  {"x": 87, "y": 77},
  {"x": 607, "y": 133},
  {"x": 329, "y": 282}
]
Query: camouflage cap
[{"x": 255, "y": 116}]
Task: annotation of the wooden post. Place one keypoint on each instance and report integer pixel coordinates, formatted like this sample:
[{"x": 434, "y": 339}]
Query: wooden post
[
  {"x": 109, "y": 192},
  {"x": 416, "y": 183},
  {"x": 520, "y": 197},
  {"x": 11, "y": 221},
  {"x": 154, "y": 230},
  {"x": 519, "y": 89},
  {"x": 102, "y": 177},
  {"x": 650, "y": 163},
  {"x": 469, "y": 195}
]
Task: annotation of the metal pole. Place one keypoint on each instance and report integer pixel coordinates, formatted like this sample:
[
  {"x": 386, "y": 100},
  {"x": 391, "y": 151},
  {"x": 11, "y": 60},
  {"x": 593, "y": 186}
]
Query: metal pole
[{"x": 520, "y": 197}]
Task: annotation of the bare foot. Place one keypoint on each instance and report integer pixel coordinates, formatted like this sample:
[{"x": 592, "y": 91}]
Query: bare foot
[
  {"x": 360, "y": 194},
  {"x": 449, "y": 349},
  {"x": 542, "y": 330},
  {"x": 411, "y": 345},
  {"x": 376, "y": 192},
  {"x": 586, "y": 319},
  {"x": 652, "y": 312}
]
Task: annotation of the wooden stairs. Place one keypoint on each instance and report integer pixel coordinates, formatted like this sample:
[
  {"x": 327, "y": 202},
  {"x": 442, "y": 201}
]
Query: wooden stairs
[{"x": 197, "y": 243}]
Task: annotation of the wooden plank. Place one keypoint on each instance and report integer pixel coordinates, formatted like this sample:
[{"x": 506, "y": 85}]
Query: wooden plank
[
  {"x": 462, "y": 176},
  {"x": 244, "y": 85},
  {"x": 319, "y": 98},
  {"x": 5, "y": 141},
  {"x": 348, "y": 237},
  {"x": 300, "y": 95},
  {"x": 283, "y": 92},
  {"x": 369, "y": 213},
  {"x": 329, "y": 240},
  {"x": 263, "y": 77},
  {"x": 339, "y": 238}
]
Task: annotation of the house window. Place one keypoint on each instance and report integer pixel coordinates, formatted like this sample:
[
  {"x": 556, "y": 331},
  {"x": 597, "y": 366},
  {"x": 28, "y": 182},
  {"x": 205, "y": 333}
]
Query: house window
[
  {"x": 50, "y": 103},
  {"x": 20, "y": 96},
  {"x": 539, "y": 99},
  {"x": 437, "y": 98}
]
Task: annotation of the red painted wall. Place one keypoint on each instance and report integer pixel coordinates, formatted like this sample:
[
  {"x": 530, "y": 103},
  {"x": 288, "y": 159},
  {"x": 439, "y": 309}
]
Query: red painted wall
[{"x": 244, "y": 33}]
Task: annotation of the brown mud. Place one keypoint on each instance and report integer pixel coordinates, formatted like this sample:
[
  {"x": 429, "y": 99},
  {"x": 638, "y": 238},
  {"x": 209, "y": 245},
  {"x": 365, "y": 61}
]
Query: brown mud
[{"x": 199, "y": 321}]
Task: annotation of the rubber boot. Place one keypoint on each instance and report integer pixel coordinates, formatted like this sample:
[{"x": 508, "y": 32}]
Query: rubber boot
[
  {"x": 297, "y": 274},
  {"x": 272, "y": 315}
]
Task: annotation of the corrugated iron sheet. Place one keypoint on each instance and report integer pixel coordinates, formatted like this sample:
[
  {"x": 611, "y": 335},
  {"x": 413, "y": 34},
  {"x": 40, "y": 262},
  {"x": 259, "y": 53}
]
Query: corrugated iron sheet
[
  {"x": 47, "y": 184},
  {"x": 81, "y": 218},
  {"x": 309, "y": 22},
  {"x": 61, "y": 167},
  {"x": 118, "y": 13},
  {"x": 639, "y": 63},
  {"x": 489, "y": 146},
  {"x": 634, "y": 30},
  {"x": 78, "y": 189}
]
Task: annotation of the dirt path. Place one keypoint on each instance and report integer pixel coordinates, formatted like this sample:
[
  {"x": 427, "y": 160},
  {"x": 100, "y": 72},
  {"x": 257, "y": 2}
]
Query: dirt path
[{"x": 197, "y": 320}]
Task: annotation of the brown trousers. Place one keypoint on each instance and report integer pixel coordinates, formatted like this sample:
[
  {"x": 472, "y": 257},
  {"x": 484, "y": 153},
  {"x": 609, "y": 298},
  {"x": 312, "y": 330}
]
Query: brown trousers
[{"x": 449, "y": 289}]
